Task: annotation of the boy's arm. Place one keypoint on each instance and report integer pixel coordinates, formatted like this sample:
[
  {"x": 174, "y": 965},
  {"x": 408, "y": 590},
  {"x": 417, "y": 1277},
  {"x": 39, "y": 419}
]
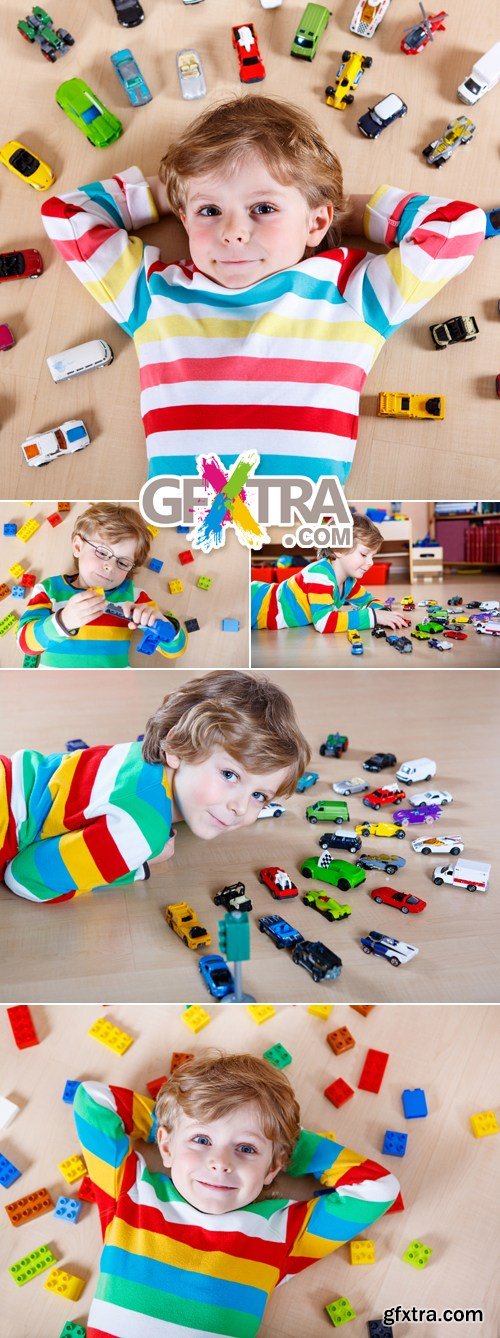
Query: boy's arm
[
  {"x": 40, "y": 627},
  {"x": 357, "y": 613},
  {"x": 311, "y": 597},
  {"x": 107, "y": 1119}
]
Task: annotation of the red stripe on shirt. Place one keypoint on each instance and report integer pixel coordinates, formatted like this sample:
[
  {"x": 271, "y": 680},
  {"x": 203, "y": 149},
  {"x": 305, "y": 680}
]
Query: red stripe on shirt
[
  {"x": 394, "y": 220},
  {"x": 433, "y": 243},
  {"x": 81, "y": 786},
  {"x": 104, "y": 851},
  {"x": 253, "y": 369},
  {"x": 288, "y": 418}
]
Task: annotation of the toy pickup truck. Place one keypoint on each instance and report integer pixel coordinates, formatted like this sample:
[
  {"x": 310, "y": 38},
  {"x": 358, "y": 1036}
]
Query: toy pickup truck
[
  {"x": 392, "y": 405},
  {"x": 184, "y": 922}
]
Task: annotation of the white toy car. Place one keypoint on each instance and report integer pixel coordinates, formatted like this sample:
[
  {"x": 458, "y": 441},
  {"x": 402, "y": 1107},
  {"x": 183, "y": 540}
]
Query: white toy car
[
  {"x": 489, "y": 628},
  {"x": 270, "y": 4},
  {"x": 419, "y": 769},
  {"x": 484, "y": 75},
  {"x": 489, "y": 606},
  {"x": 190, "y": 73},
  {"x": 367, "y": 16},
  {"x": 438, "y": 845},
  {"x": 471, "y": 875},
  {"x": 356, "y": 785},
  {"x": 272, "y": 810},
  {"x": 430, "y": 797},
  {"x": 64, "y": 440},
  {"x": 394, "y": 949}
]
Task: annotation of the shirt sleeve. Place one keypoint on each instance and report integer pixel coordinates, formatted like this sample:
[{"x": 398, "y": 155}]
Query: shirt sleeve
[
  {"x": 108, "y": 1121},
  {"x": 93, "y": 228},
  {"x": 432, "y": 240},
  {"x": 312, "y": 597},
  {"x": 38, "y": 628},
  {"x": 356, "y": 613}
]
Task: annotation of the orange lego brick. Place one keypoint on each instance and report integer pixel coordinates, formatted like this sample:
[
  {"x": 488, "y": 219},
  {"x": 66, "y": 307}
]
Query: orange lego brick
[
  {"x": 32, "y": 1205},
  {"x": 179, "y": 1057},
  {"x": 340, "y": 1040}
]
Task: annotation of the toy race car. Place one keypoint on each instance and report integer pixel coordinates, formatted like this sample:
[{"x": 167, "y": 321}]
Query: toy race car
[
  {"x": 492, "y": 223},
  {"x": 356, "y": 644},
  {"x": 307, "y": 781},
  {"x": 388, "y": 794},
  {"x": 429, "y": 797},
  {"x": 345, "y": 840},
  {"x": 190, "y": 74},
  {"x": 407, "y": 602},
  {"x": 245, "y": 43},
  {"x": 459, "y": 131},
  {"x": 128, "y": 12},
  {"x": 380, "y": 829},
  {"x": 216, "y": 975},
  {"x": 410, "y": 817},
  {"x": 377, "y": 118},
  {"x": 438, "y": 845},
  {"x": 185, "y": 923},
  {"x": 26, "y": 165},
  {"x": 272, "y": 810},
  {"x": 415, "y": 39},
  {"x": 354, "y": 785},
  {"x": 455, "y": 331},
  {"x": 327, "y": 906},
  {"x": 39, "y": 27},
  {"x": 20, "y": 265},
  {"x": 367, "y": 16},
  {"x": 338, "y": 872},
  {"x": 317, "y": 959},
  {"x": 279, "y": 883},
  {"x": 100, "y": 126},
  {"x": 402, "y": 901},
  {"x": 349, "y": 73},
  {"x": 401, "y": 643},
  {"x": 130, "y": 77},
  {"x": 233, "y": 898},
  {"x": 454, "y": 634},
  {"x": 436, "y": 644},
  {"x": 379, "y": 762},
  {"x": 397, "y": 952},
  {"x": 393, "y": 404},
  {"x": 334, "y": 746},
  {"x": 282, "y": 934},
  {"x": 64, "y": 440},
  {"x": 387, "y": 863}
]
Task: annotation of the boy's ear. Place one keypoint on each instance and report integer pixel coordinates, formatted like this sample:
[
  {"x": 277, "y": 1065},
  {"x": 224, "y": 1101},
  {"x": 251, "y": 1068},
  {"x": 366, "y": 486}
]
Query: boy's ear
[
  {"x": 276, "y": 1168},
  {"x": 163, "y": 1140},
  {"x": 172, "y": 759},
  {"x": 320, "y": 219}
]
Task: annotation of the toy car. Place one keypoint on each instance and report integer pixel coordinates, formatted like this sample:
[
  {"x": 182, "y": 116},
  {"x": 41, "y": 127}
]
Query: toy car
[
  {"x": 245, "y": 43},
  {"x": 340, "y": 841},
  {"x": 428, "y": 604},
  {"x": 338, "y": 872},
  {"x": 350, "y": 71},
  {"x": 454, "y": 635},
  {"x": 377, "y": 118},
  {"x": 474, "y": 604},
  {"x": 400, "y": 405},
  {"x": 410, "y": 817},
  {"x": 469, "y": 875},
  {"x": 401, "y": 643},
  {"x": 455, "y": 601},
  {"x": 216, "y": 975},
  {"x": 459, "y": 131},
  {"x": 272, "y": 810},
  {"x": 130, "y": 77},
  {"x": 417, "y": 769},
  {"x": 6, "y": 338},
  {"x": 407, "y": 602},
  {"x": 281, "y": 933},
  {"x": 430, "y": 797},
  {"x": 355, "y": 785},
  {"x": 438, "y": 845},
  {"x": 387, "y": 863},
  {"x": 417, "y": 37},
  {"x": 317, "y": 959},
  {"x": 394, "y": 949},
  {"x": 26, "y": 165},
  {"x": 64, "y": 440},
  {"x": 128, "y": 12},
  {"x": 311, "y": 27},
  {"x": 378, "y": 631},
  {"x": 429, "y": 627},
  {"x": 421, "y": 632},
  {"x": 307, "y": 781},
  {"x": 436, "y": 644},
  {"x": 20, "y": 265},
  {"x": 484, "y": 75},
  {"x": 356, "y": 644},
  {"x": 490, "y": 606},
  {"x": 279, "y": 883},
  {"x": 88, "y": 113},
  {"x": 455, "y": 331},
  {"x": 489, "y": 628},
  {"x": 185, "y": 923},
  {"x": 39, "y": 27},
  {"x": 233, "y": 898},
  {"x": 328, "y": 810},
  {"x": 327, "y": 906},
  {"x": 402, "y": 901},
  {"x": 367, "y": 16},
  {"x": 492, "y": 223},
  {"x": 334, "y": 746},
  {"x": 388, "y": 794},
  {"x": 190, "y": 74},
  {"x": 270, "y": 4},
  {"x": 379, "y": 762},
  {"x": 380, "y": 829}
]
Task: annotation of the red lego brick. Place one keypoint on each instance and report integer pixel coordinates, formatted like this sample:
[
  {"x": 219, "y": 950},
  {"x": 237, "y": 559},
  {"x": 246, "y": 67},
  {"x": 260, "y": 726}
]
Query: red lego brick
[
  {"x": 154, "y": 1086},
  {"x": 54, "y": 519},
  {"x": 86, "y": 1190},
  {"x": 373, "y": 1071},
  {"x": 340, "y": 1040},
  {"x": 28, "y": 580},
  {"x": 178, "y": 1058},
  {"x": 186, "y": 557},
  {"x": 339, "y": 1092},
  {"x": 22, "y": 1026},
  {"x": 398, "y": 1205},
  {"x": 364, "y": 1009},
  {"x": 32, "y": 1205}
]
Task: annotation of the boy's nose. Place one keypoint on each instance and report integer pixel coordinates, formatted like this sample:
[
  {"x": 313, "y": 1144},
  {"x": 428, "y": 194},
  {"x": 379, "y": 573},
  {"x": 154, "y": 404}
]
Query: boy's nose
[
  {"x": 235, "y": 230},
  {"x": 220, "y": 1161}
]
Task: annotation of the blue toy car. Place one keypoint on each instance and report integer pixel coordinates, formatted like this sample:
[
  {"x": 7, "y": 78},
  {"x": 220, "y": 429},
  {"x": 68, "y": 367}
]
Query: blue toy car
[
  {"x": 131, "y": 78},
  {"x": 493, "y": 223},
  {"x": 282, "y": 934},
  {"x": 216, "y": 975},
  {"x": 306, "y": 781}
]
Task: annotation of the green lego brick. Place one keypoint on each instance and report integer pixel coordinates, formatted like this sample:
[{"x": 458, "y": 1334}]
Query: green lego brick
[
  {"x": 340, "y": 1312},
  {"x": 31, "y": 661},
  {"x": 417, "y": 1254},
  {"x": 31, "y": 1265},
  {"x": 204, "y": 582},
  {"x": 278, "y": 1056},
  {"x": 72, "y": 1330}
]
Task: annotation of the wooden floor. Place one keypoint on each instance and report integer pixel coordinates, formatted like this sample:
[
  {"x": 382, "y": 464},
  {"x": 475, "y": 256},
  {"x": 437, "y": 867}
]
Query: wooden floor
[
  {"x": 116, "y": 945},
  {"x": 393, "y": 457},
  {"x": 448, "y": 1178}
]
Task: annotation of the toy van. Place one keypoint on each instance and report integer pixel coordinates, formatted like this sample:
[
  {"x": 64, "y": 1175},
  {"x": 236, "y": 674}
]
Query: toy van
[
  {"x": 419, "y": 769},
  {"x": 81, "y": 358},
  {"x": 484, "y": 75},
  {"x": 311, "y": 27},
  {"x": 472, "y": 875}
]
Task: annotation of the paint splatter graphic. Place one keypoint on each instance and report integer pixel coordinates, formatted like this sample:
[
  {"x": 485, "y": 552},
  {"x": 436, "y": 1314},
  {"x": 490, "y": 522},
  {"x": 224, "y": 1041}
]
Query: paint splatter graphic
[{"x": 228, "y": 507}]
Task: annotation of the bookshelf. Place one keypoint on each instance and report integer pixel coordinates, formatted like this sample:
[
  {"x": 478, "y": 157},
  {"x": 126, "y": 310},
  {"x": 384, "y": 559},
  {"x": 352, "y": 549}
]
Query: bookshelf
[{"x": 470, "y": 539}]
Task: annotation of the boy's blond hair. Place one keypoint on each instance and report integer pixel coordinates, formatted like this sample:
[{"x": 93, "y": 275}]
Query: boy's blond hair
[
  {"x": 115, "y": 521},
  {"x": 363, "y": 532},
  {"x": 251, "y": 717},
  {"x": 214, "y": 1084},
  {"x": 287, "y": 139}
]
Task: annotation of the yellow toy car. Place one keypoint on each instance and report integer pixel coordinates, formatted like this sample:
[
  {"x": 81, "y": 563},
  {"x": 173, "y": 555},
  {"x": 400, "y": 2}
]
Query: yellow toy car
[
  {"x": 184, "y": 922},
  {"x": 392, "y": 405},
  {"x": 380, "y": 829},
  {"x": 347, "y": 78},
  {"x": 24, "y": 164}
]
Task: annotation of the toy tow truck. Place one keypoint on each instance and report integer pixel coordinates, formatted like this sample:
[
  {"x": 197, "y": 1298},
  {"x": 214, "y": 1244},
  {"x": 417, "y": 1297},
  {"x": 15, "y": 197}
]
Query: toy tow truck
[
  {"x": 39, "y": 27},
  {"x": 392, "y": 405}
]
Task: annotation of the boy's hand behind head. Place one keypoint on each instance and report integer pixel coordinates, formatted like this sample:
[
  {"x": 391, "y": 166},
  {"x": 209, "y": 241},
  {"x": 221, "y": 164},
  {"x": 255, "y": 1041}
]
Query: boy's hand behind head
[
  {"x": 81, "y": 609},
  {"x": 168, "y": 851}
]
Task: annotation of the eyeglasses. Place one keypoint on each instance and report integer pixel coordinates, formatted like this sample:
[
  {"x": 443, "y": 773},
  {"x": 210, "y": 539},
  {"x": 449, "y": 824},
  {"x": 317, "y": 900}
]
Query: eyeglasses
[{"x": 107, "y": 555}]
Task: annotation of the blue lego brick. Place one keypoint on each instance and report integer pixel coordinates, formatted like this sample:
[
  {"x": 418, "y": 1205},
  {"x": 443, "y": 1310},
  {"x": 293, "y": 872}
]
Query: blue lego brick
[
  {"x": 70, "y": 1209},
  {"x": 18, "y": 591},
  {"x": 414, "y": 1103},
  {"x": 183, "y": 529},
  {"x": 8, "y": 1172},
  {"x": 230, "y": 625},
  {"x": 148, "y": 642},
  {"x": 10, "y": 528},
  {"x": 155, "y": 564},
  {"x": 69, "y": 1091},
  {"x": 73, "y": 745},
  {"x": 394, "y": 1143}
]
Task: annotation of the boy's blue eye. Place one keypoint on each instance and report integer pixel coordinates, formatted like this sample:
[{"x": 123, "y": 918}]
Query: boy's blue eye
[
  {"x": 247, "y": 1147},
  {"x": 265, "y": 208},
  {"x": 260, "y": 797},
  {"x": 201, "y": 1138},
  {"x": 209, "y": 211},
  {"x": 229, "y": 775}
]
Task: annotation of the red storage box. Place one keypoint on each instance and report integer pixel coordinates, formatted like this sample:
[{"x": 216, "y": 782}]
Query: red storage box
[
  {"x": 377, "y": 575},
  {"x": 267, "y": 574}
]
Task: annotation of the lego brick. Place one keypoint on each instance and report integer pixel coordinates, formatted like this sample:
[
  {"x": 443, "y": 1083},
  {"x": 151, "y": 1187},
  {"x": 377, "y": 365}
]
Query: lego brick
[
  {"x": 340, "y": 1312},
  {"x": 394, "y": 1144},
  {"x": 414, "y": 1103},
  {"x": 192, "y": 625},
  {"x": 63, "y": 507},
  {"x": 18, "y": 592},
  {"x": 9, "y": 621},
  {"x": 155, "y": 564},
  {"x": 377, "y": 1329},
  {"x": 17, "y": 571},
  {"x": 4, "y": 590},
  {"x": 112, "y": 1037},
  {"x": 320, "y": 1010},
  {"x": 27, "y": 530},
  {"x": 23, "y": 1029},
  {"x": 417, "y": 1254},
  {"x": 179, "y": 1057},
  {"x": 362, "y": 1251},
  {"x": 364, "y": 1009},
  {"x": 278, "y": 1056},
  {"x": 398, "y": 1205},
  {"x": 340, "y": 1040},
  {"x": 86, "y": 1190},
  {"x": 28, "y": 579},
  {"x": 230, "y": 625},
  {"x": 155, "y": 1086},
  {"x": 32, "y": 1265},
  {"x": 183, "y": 529},
  {"x": 69, "y": 1091},
  {"x": 54, "y": 519},
  {"x": 65, "y": 1284},
  {"x": 72, "y": 1330},
  {"x": 373, "y": 1071},
  {"x": 204, "y": 582},
  {"x": 339, "y": 1092},
  {"x": 74, "y": 745},
  {"x": 10, "y": 529},
  {"x": 8, "y": 1172},
  {"x": 8, "y": 1112},
  {"x": 175, "y": 587},
  {"x": 484, "y": 1123},
  {"x": 30, "y": 661},
  {"x": 185, "y": 557},
  {"x": 70, "y": 1209},
  {"x": 73, "y": 1168},
  {"x": 261, "y": 1012},
  {"x": 153, "y": 531},
  {"x": 196, "y": 1018}
]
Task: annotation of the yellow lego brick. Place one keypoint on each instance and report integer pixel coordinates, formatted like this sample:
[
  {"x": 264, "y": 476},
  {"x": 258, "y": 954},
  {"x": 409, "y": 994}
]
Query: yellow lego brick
[
  {"x": 484, "y": 1123},
  {"x": 260, "y": 1012},
  {"x": 65, "y": 1284},
  {"x": 27, "y": 503},
  {"x": 107, "y": 1034},
  {"x": 73, "y": 1168},
  {"x": 99, "y": 589},
  {"x": 362, "y": 1252},
  {"x": 27, "y": 530},
  {"x": 320, "y": 1010},
  {"x": 175, "y": 587},
  {"x": 17, "y": 570},
  {"x": 153, "y": 530},
  {"x": 196, "y": 1018}
]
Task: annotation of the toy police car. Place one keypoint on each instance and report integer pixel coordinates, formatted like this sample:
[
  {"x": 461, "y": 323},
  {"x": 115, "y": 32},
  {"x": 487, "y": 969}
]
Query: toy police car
[{"x": 397, "y": 952}]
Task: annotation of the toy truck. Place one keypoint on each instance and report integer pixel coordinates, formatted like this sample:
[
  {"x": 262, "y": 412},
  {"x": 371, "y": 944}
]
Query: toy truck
[
  {"x": 184, "y": 921},
  {"x": 472, "y": 875},
  {"x": 392, "y": 405},
  {"x": 483, "y": 76}
]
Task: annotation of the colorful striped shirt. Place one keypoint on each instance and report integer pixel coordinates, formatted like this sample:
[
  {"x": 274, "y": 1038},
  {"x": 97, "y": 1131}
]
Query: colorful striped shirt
[
  {"x": 278, "y": 365},
  {"x": 168, "y": 1270},
  {"x": 71, "y": 822},
  {"x": 103, "y": 643},
  {"x": 313, "y": 596}
]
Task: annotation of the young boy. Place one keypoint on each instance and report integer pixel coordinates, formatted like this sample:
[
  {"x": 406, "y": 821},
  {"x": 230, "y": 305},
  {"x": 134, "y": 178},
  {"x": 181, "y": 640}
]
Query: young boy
[
  {"x": 328, "y": 593},
  {"x": 257, "y": 340},
  {"x": 67, "y": 622},
  {"x": 215, "y": 752},
  {"x": 198, "y": 1252}
]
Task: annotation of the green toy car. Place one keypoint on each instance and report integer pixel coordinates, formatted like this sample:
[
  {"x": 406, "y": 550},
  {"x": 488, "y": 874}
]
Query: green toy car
[
  {"x": 335, "y": 871},
  {"x": 311, "y": 27},
  {"x": 82, "y": 106},
  {"x": 39, "y": 27},
  {"x": 328, "y": 810},
  {"x": 327, "y": 906}
]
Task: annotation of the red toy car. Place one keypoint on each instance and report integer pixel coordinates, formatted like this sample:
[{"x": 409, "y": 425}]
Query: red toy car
[
  {"x": 246, "y": 46},
  {"x": 20, "y": 265},
  {"x": 6, "y": 338},
  {"x": 455, "y": 635},
  {"x": 402, "y": 901},
  {"x": 279, "y": 884},
  {"x": 386, "y": 795}
]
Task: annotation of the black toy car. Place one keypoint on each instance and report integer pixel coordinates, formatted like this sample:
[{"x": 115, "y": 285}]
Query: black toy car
[
  {"x": 401, "y": 643},
  {"x": 317, "y": 960},
  {"x": 388, "y": 863},
  {"x": 340, "y": 841},
  {"x": 378, "y": 631},
  {"x": 233, "y": 898},
  {"x": 379, "y": 761},
  {"x": 474, "y": 604},
  {"x": 386, "y": 111},
  {"x": 455, "y": 330},
  {"x": 128, "y": 12}
]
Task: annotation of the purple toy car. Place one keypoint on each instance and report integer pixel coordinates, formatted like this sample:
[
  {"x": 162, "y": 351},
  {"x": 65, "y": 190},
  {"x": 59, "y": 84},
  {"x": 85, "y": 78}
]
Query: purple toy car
[{"x": 424, "y": 813}]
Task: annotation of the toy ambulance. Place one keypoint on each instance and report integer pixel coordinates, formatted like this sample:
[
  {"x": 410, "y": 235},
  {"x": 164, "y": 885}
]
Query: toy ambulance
[{"x": 473, "y": 875}]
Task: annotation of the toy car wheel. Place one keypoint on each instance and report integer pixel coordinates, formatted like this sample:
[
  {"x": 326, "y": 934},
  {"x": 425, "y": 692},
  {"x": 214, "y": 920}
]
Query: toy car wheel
[
  {"x": 261, "y": 928},
  {"x": 429, "y": 820},
  {"x": 471, "y": 887},
  {"x": 427, "y": 151},
  {"x": 316, "y": 976},
  {"x": 49, "y": 55},
  {"x": 328, "y": 94},
  {"x": 367, "y": 61},
  {"x": 274, "y": 894},
  {"x": 306, "y": 873},
  {"x": 352, "y": 850},
  {"x": 26, "y": 36},
  {"x": 261, "y": 880},
  {"x": 404, "y": 823},
  {"x": 367, "y": 950},
  {"x": 455, "y": 850},
  {"x": 348, "y": 100},
  {"x": 438, "y": 882},
  {"x": 399, "y": 836},
  {"x": 378, "y": 900},
  {"x": 313, "y": 820},
  {"x": 328, "y": 915},
  {"x": 394, "y": 961},
  {"x": 369, "y": 805},
  {"x": 404, "y": 910},
  {"x": 391, "y": 868},
  {"x": 338, "y": 822},
  {"x": 343, "y": 884},
  {"x": 345, "y": 55},
  {"x": 65, "y": 36},
  {"x": 426, "y": 850},
  {"x": 277, "y": 814}
]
